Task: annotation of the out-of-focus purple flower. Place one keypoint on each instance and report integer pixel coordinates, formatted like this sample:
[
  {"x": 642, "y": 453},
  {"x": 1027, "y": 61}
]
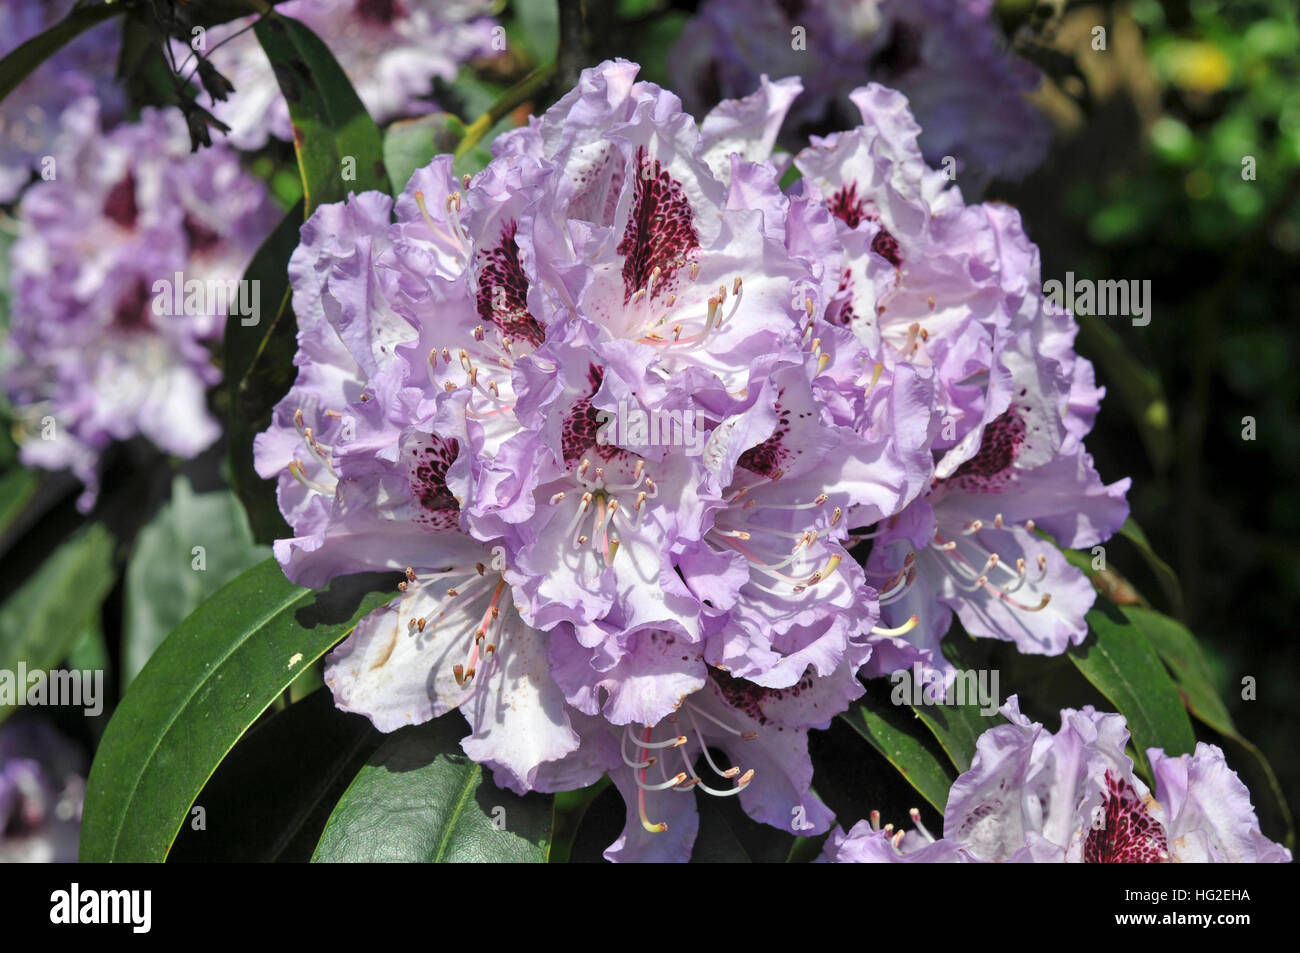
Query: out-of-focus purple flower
[
  {"x": 99, "y": 349},
  {"x": 947, "y": 56},
  {"x": 42, "y": 785},
  {"x": 1031, "y": 796},
  {"x": 29, "y": 115},
  {"x": 391, "y": 50}
]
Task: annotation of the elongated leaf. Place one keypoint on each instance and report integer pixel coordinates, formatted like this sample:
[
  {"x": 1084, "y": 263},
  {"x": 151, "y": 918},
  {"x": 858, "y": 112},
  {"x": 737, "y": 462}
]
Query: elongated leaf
[
  {"x": 47, "y": 615},
  {"x": 259, "y": 371},
  {"x": 337, "y": 142},
  {"x": 1165, "y": 576},
  {"x": 20, "y": 63},
  {"x": 958, "y": 726},
  {"x": 271, "y": 796},
  {"x": 1117, "y": 659},
  {"x": 17, "y": 487},
  {"x": 1191, "y": 669},
  {"x": 203, "y": 688},
  {"x": 244, "y": 343},
  {"x": 194, "y": 545},
  {"x": 895, "y": 732},
  {"x": 420, "y": 799}
]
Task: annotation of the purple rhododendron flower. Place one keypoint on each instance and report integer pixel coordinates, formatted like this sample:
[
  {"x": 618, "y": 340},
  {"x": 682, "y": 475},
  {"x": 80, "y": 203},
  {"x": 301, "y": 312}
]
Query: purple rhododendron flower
[
  {"x": 83, "y": 70},
  {"x": 42, "y": 785},
  {"x": 98, "y": 349},
  {"x": 391, "y": 50},
  {"x": 616, "y": 405},
  {"x": 927, "y": 280},
  {"x": 946, "y": 56},
  {"x": 1031, "y": 796}
]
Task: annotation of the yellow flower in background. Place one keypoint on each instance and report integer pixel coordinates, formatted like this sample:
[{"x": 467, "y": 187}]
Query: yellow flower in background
[{"x": 1198, "y": 66}]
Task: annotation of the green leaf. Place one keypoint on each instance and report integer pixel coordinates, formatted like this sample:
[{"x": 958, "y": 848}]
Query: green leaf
[
  {"x": 412, "y": 144},
  {"x": 957, "y": 727},
  {"x": 337, "y": 142},
  {"x": 21, "y": 62},
  {"x": 897, "y": 737},
  {"x": 164, "y": 561},
  {"x": 49, "y": 612},
  {"x": 271, "y": 796},
  {"x": 198, "y": 694},
  {"x": 1121, "y": 664},
  {"x": 569, "y": 809},
  {"x": 259, "y": 371},
  {"x": 17, "y": 487},
  {"x": 421, "y": 799},
  {"x": 1191, "y": 669},
  {"x": 1165, "y": 576}
]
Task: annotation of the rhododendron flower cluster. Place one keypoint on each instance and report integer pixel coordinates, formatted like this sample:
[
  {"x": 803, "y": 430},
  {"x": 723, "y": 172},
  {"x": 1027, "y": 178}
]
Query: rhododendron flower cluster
[
  {"x": 890, "y": 413},
  {"x": 1031, "y": 796},
  {"x": 97, "y": 350},
  {"x": 947, "y": 57},
  {"x": 82, "y": 73},
  {"x": 391, "y": 51}
]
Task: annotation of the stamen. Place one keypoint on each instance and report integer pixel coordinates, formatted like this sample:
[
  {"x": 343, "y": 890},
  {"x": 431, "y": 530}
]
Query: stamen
[
  {"x": 876, "y": 370},
  {"x": 299, "y": 472},
  {"x": 903, "y": 629}
]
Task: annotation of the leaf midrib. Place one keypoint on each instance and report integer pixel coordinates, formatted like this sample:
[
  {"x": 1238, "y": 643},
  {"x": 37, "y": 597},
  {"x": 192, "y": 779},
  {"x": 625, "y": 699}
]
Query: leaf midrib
[
  {"x": 471, "y": 781},
  {"x": 135, "y": 786}
]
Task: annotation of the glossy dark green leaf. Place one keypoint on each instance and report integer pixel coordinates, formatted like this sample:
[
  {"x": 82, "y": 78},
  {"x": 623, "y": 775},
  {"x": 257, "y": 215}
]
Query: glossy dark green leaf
[
  {"x": 49, "y": 612},
  {"x": 259, "y": 371},
  {"x": 337, "y": 142},
  {"x": 958, "y": 726},
  {"x": 421, "y": 799},
  {"x": 1191, "y": 669},
  {"x": 202, "y": 689},
  {"x": 1165, "y": 576},
  {"x": 1121, "y": 664},
  {"x": 271, "y": 796},
  {"x": 897, "y": 733},
  {"x": 21, "y": 62},
  {"x": 191, "y": 548}
]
